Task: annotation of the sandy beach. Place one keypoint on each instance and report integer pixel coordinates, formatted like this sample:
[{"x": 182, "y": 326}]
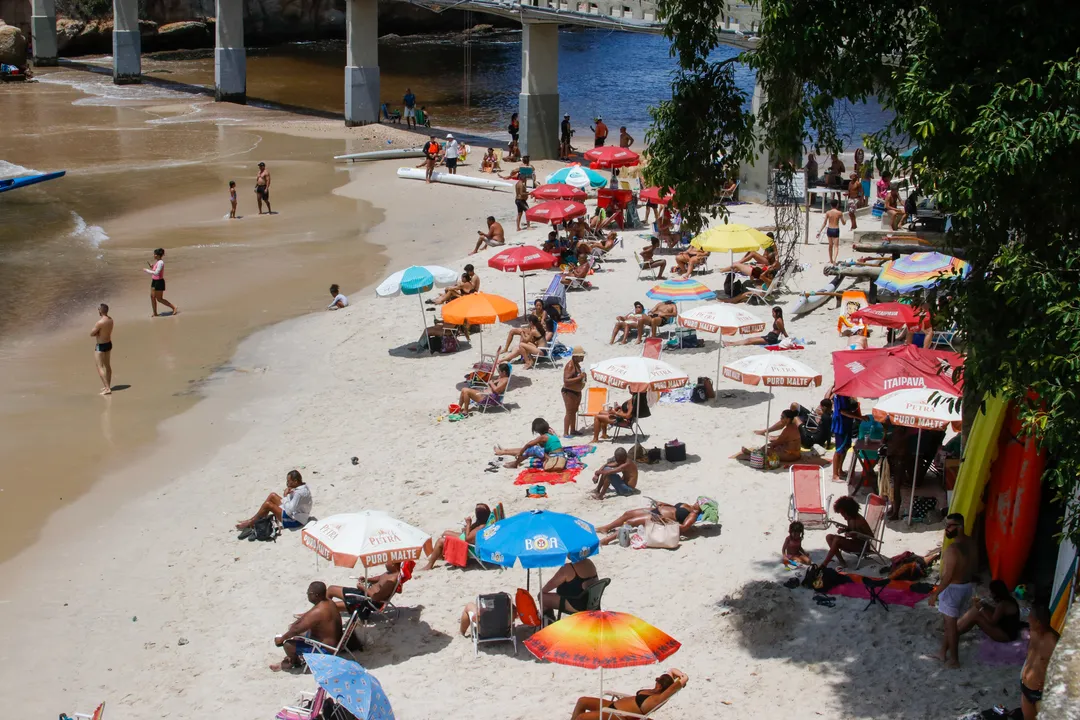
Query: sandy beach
[{"x": 138, "y": 592}]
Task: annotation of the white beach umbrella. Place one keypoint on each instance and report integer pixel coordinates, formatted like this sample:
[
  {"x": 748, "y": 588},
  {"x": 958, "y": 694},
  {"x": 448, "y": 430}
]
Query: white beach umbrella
[
  {"x": 638, "y": 374},
  {"x": 920, "y": 408},
  {"x": 723, "y": 318},
  {"x": 772, "y": 369},
  {"x": 370, "y": 538},
  {"x": 417, "y": 280}
]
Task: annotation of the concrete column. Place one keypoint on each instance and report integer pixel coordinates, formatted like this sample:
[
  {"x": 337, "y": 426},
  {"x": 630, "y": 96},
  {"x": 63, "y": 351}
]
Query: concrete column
[
  {"x": 538, "y": 103},
  {"x": 755, "y": 177},
  {"x": 43, "y": 31},
  {"x": 230, "y": 58},
  {"x": 361, "y": 62},
  {"x": 126, "y": 43}
]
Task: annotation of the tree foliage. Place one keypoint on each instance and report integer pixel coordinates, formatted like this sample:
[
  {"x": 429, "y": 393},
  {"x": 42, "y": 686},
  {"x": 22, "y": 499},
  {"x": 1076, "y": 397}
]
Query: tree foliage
[{"x": 989, "y": 90}]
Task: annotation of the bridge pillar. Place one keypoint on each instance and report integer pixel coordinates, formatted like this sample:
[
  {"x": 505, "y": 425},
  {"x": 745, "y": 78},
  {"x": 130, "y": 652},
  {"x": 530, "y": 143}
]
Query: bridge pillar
[
  {"x": 230, "y": 57},
  {"x": 755, "y": 177},
  {"x": 538, "y": 103},
  {"x": 126, "y": 42},
  {"x": 43, "y": 31},
  {"x": 361, "y": 62}
]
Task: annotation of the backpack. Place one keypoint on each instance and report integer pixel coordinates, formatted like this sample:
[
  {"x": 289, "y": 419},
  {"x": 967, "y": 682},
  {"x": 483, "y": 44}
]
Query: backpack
[{"x": 264, "y": 529}]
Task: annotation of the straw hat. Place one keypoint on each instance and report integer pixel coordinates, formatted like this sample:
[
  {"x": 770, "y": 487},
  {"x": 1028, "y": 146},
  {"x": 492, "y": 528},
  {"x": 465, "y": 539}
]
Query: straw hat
[{"x": 578, "y": 351}]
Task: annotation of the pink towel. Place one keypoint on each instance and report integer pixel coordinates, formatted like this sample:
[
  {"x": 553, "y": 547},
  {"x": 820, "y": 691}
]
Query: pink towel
[{"x": 892, "y": 596}]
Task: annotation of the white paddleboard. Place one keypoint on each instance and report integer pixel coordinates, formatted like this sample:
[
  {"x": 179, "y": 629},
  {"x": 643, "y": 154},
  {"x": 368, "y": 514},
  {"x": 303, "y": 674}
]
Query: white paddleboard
[
  {"x": 463, "y": 180},
  {"x": 384, "y": 154},
  {"x": 811, "y": 302}
]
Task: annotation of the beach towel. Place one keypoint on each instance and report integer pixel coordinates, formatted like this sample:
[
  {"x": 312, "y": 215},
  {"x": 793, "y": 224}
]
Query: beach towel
[
  {"x": 678, "y": 395},
  {"x": 579, "y": 451},
  {"x": 1004, "y": 654},
  {"x": 568, "y": 328},
  {"x": 897, "y": 592},
  {"x": 781, "y": 348},
  {"x": 455, "y": 550},
  {"x": 531, "y": 476}
]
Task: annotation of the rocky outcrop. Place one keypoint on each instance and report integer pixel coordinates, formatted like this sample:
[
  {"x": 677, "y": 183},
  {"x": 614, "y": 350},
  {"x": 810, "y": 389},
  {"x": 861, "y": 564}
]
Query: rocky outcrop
[
  {"x": 94, "y": 37},
  {"x": 184, "y": 35},
  {"x": 12, "y": 46}
]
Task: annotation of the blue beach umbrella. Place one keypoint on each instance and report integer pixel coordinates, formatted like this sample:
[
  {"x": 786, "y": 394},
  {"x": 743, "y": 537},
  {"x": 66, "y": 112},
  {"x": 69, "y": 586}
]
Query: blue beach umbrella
[
  {"x": 416, "y": 280},
  {"x": 577, "y": 176},
  {"x": 351, "y": 686}
]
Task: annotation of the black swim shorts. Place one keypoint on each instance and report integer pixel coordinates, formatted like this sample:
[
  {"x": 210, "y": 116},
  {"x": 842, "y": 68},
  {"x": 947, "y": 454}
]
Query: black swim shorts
[
  {"x": 158, "y": 284},
  {"x": 832, "y": 232},
  {"x": 262, "y": 192},
  {"x": 1033, "y": 696},
  {"x": 522, "y": 206},
  {"x": 104, "y": 347},
  {"x": 451, "y": 163}
]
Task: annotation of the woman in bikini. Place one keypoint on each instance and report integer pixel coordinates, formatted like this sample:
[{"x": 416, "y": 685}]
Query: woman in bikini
[
  {"x": 526, "y": 331},
  {"x": 788, "y": 445},
  {"x": 566, "y": 588},
  {"x": 624, "y": 323},
  {"x": 495, "y": 388},
  {"x": 770, "y": 338},
  {"x": 642, "y": 703},
  {"x": 573, "y": 384},
  {"x": 685, "y": 514},
  {"x": 544, "y": 444},
  {"x": 526, "y": 349}
]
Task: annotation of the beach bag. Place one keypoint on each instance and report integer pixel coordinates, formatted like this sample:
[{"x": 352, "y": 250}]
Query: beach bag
[
  {"x": 697, "y": 395},
  {"x": 878, "y": 210},
  {"x": 536, "y": 491},
  {"x": 674, "y": 451},
  {"x": 661, "y": 533},
  {"x": 264, "y": 529},
  {"x": 653, "y": 455},
  {"x": 449, "y": 344},
  {"x": 757, "y": 459},
  {"x": 706, "y": 382},
  {"x": 554, "y": 463}
]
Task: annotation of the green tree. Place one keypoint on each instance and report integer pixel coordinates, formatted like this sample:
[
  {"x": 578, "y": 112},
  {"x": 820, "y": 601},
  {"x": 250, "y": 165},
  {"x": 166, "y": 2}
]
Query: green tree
[{"x": 990, "y": 92}]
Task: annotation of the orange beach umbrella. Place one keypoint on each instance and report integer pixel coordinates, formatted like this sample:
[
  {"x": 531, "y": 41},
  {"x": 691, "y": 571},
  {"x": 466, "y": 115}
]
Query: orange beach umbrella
[{"x": 479, "y": 309}]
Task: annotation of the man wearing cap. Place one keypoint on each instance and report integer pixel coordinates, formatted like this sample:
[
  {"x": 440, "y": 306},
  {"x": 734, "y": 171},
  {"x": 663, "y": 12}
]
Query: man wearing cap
[
  {"x": 565, "y": 132},
  {"x": 262, "y": 188},
  {"x": 573, "y": 384},
  {"x": 601, "y": 132},
  {"x": 452, "y": 152}
]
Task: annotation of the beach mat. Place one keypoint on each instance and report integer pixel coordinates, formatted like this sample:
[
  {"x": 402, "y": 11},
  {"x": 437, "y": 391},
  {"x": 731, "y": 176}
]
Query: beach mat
[
  {"x": 892, "y": 596},
  {"x": 1004, "y": 654},
  {"x": 568, "y": 328},
  {"x": 532, "y": 476}
]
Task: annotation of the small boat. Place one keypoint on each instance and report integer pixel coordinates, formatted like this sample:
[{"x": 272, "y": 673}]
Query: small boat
[
  {"x": 463, "y": 180},
  {"x": 398, "y": 154},
  {"x": 811, "y": 301},
  {"x": 18, "y": 182}
]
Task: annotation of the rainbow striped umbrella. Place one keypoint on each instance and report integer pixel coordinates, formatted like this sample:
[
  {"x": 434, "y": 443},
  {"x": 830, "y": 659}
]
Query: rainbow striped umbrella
[
  {"x": 920, "y": 270},
  {"x": 680, "y": 291}
]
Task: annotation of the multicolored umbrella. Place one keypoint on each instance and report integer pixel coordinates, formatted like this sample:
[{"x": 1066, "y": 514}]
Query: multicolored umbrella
[
  {"x": 680, "y": 291},
  {"x": 920, "y": 270},
  {"x": 723, "y": 318},
  {"x": 351, "y": 686},
  {"x": 731, "y": 238},
  {"x": 559, "y": 191},
  {"x": 577, "y": 176},
  {"x": 416, "y": 280},
  {"x": 890, "y": 315},
  {"x": 555, "y": 211},
  {"x": 369, "y": 537},
  {"x": 772, "y": 370},
  {"x": 520, "y": 259},
  {"x": 609, "y": 156},
  {"x": 875, "y": 372},
  {"x": 479, "y": 309},
  {"x": 652, "y": 195},
  {"x": 601, "y": 639}
]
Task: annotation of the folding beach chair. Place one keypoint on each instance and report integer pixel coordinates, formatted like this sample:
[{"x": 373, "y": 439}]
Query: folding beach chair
[
  {"x": 341, "y": 647},
  {"x": 595, "y": 400},
  {"x": 528, "y": 173},
  {"x": 644, "y": 269},
  {"x": 555, "y": 291},
  {"x": 483, "y": 370},
  {"x": 394, "y": 117},
  {"x": 546, "y": 353},
  {"x": 308, "y": 707},
  {"x": 808, "y": 503},
  {"x": 871, "y": 436},
  {"x": 612, "y": 695},
  {"x": 385, "y": 609},
  {"x": 945, "y": 338},
  {"x": 653, "y": 348},
  {"x": 98, "y": 714},
  {"x": 874, "y": 510},
  {"x": 577, "y": 283},
  {"x": 494, "y": 621},
  {"x": 728, "y": 195},
  {"x": 593, "y": 595}
]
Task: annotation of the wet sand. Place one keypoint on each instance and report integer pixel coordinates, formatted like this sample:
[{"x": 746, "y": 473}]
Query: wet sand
[{"x": 145, "y": 175}]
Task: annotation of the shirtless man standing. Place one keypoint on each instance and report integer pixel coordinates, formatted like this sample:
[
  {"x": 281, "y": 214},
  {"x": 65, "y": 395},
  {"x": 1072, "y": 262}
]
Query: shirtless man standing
[
  {"x": 833, "y": 218},
  {"x": 521, "y": 201},
  {"x": 494, "y": 237},
  {"x": 321, "y": 623},
  {"x": 262, "y": 188},
  {"x": 102, "y": 334},
  {"x": 1041, "y": 646},
  {"x": 952, "y": 596}
]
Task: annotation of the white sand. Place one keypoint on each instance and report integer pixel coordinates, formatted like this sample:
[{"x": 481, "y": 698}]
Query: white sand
[{"x": 97, "y": 609}]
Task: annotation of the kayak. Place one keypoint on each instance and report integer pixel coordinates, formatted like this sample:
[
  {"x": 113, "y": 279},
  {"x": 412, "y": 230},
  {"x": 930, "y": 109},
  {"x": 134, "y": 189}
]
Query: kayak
[
  {"x": 384, "y": 154},
  {"x": 463, "y": 180},
  {"x": 12, "y": 183},
  {"x": 811, "y": 301}
]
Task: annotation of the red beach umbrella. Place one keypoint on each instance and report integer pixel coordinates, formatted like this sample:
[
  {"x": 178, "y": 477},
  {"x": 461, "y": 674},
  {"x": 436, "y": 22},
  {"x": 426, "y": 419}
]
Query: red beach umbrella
[
  {"x": 520, "y": 259},
  {"x": 611, "y": 157},
  {"x": 874, "y": 372},
  {"x": 559, "y": 191},
  {"x": 555, "y": 212},
  {"x": 652, "y": 195},
  {"x": 891, "y": 315}
]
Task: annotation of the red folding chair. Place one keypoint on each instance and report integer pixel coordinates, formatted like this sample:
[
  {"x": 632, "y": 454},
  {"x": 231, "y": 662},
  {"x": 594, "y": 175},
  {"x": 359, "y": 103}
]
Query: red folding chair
[{"x": 807, "y": 496}]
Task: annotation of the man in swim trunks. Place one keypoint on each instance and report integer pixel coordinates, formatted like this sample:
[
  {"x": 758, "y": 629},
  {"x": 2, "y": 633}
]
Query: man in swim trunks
[
  {"x": 1041, "y": 644},
  {"x": 369, "y": 593},
  {"x": 600, "y": 132},
  {"x": 494, "y": 237},
  {"x": 262, "y": 188},
  {"x": 620, "y": 473},
  {"x": 952, "y": 596},
  {"x": 321, "y": 623},
  {"x": 831, "y": 223},
  {"x": 102, "y": 334},
  {"x": 565, "y": 133},
  {"x": 521, "y": 200}
]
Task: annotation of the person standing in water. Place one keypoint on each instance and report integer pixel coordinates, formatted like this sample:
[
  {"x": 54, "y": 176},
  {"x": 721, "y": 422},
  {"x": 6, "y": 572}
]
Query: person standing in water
[
  {"x": 102, "y": 334},
  {"x": 157, "y": 283},
  {"x": 262, "y": 188},
  {"x": 232, "y": 199}
]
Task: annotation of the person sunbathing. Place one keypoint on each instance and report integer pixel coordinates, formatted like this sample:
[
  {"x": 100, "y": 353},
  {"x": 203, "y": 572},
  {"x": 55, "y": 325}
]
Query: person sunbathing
[
  {"x": 894, "y": 209},
  {"x": 641, "y": 703},
  {"x": 788, "y": 446},
  {"x": 527, "y": 331},
  {"x": 999, "y": 618},
  {"x": 467, "y": 285},
  {"x": 489, "y": 163},
  {"x": 566, "y": 590},
  {"x": 495, "y": 388},
  {"x": 770, "y": 338},
  {"x": 852, "y": 536},
  {"x": 623, "y": 414},
  {"x": 605, "y": 245},
  {"x": 664, "y": 229},
  {"x": 527, "y": 349},
  {"x": 685, "y": 514},
  {"x": 513, "y": 151},
  {"x": 544, "y": 444},
  {"x": 321, "y": 623},
  {"x": 625, "y": 323},
  {"x": 369, "y": 593},
  {"x": 620, "y": 473},
  {"x": 685, "y": 262},
  {"x": 292, "y": 508},
  {"x": 663, "y": 312},
  {"x": 581, "y": 269},
  {"x": 473, "y": 525},
  {"x": 648, "y": 261},
  {"x": 792, "y": 551}
]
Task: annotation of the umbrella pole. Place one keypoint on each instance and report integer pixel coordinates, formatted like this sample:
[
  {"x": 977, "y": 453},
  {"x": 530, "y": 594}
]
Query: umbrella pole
[
  {"x": 719, "y": 350},
  {"x": 806, "y": 240},
  {"x": 540, "y": 596},
  {"x": 602, "y": 694},
  {"x": 768, "y": 414},
  {"x": 914, "y": 477},
  {"x": 423, "y": 316},
  {"x": 524, "y": 302}
]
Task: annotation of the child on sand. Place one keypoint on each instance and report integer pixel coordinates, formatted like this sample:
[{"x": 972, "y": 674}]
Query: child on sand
[
  {"x": 232, "y": 199},
  {"x": 792, "y": 551}
]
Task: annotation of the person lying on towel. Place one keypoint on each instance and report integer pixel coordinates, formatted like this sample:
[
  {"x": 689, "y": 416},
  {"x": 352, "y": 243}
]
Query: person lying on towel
[{"x": 686, "y": 514}]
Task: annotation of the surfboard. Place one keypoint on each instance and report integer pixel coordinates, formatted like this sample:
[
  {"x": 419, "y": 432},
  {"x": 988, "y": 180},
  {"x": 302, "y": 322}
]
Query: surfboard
[
  {"x": 811, "y": 301},
  {"x": 978, "y": 457},
  {"x": 1066, "y": 581},
  {"x": 1012, "y": 500},
  {"x": 463, "y": 180},
  {"x": 397, "y": 154},
  {"x": 12, "y": 183}
]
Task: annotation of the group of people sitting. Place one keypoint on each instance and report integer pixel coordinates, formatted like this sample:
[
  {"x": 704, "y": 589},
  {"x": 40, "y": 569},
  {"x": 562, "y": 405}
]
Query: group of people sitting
[{"x": 663, "y": 313}]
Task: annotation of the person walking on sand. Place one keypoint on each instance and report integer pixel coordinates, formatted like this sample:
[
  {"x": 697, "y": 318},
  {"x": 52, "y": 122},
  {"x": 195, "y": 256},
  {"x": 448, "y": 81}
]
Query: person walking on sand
[
  {"x": 952, "y": 596},
  {"x": 102, "y": 334},
  {"x": 409, "y": 101},
  {"x": 573, "y": 385},
  {"x": 521, "y": 200},
  {"x": 262, "y": 188},
  {"x": 831, "y": 223},
  {"x": 232, "y": 199},
  {"x": 157, "y": 283}
]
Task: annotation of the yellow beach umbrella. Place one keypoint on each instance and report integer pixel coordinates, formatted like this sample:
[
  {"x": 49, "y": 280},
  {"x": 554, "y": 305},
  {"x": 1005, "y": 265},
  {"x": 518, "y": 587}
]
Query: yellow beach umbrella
[{"x": 731, "y": 238}]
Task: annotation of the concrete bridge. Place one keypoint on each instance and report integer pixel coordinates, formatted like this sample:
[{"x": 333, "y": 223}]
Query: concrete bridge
[{"x": 540, "y": 20}]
